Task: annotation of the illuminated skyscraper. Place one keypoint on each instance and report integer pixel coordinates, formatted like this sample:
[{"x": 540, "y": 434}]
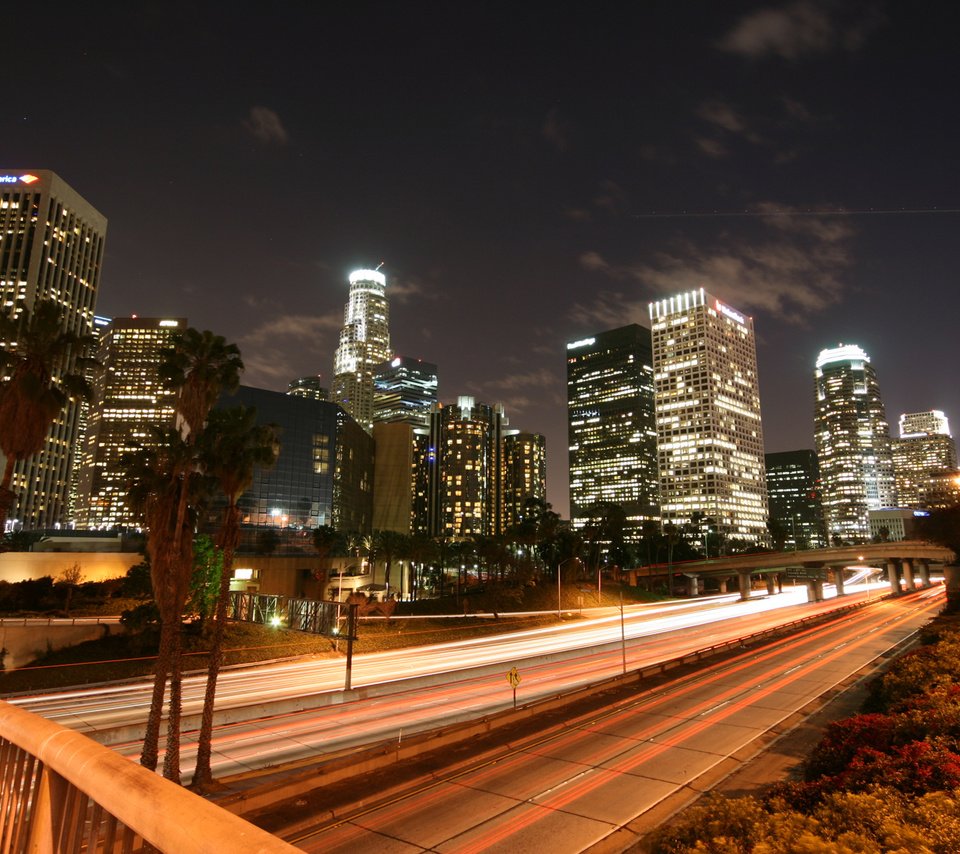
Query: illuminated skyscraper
[
  {"x": 524, "y": 473},
  {"x": 925, "y": 461},
  {"x": 129, "y": 401},
  {"x": 51, "y": 247},
  {"x": 709, "y": 436},
  {"x": 853, "y": 442},
  {"x": 404, "y": 389},
  {"x": 364, "y": 344},
  {"x": 612, "y": 436},
  {"x": 793, "y": 487},
  {"x": 462, "y": 484},
  {"x": 308, "y": 387}
]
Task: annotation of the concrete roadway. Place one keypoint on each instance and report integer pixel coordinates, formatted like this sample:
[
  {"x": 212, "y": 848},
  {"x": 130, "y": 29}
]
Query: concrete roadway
[
  {"x": 582, "y": 786},
  {"x": 271, "y": 715}
]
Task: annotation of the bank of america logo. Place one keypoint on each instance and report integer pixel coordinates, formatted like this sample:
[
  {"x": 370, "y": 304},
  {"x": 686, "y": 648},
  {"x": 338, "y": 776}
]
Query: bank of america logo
[{"x": 29, "y": 179}]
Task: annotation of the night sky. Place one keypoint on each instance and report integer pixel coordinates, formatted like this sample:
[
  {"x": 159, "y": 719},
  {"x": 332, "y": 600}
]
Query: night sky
[{"x": 529, "y": 173}]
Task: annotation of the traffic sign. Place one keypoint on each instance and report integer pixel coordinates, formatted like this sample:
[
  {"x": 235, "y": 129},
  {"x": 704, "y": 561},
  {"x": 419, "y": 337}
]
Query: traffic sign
[{"x": 513, "y": 677}]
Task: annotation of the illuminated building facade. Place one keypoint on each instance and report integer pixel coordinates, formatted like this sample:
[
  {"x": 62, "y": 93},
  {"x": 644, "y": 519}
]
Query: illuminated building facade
[
  {"x": 793, "y": 493},
  {"x": 524, "y": 473},
  {"x": 470, "y": 471},
  {"x": 707, "y": 403},
  {"x": 364, "y": 344},
  {"x": 925, "y": 461},
  {"x": 324, "y": 473},
  {"x": 405, "y": 389},
  {"x": 853, "y": 442},
  {"x": 308, "y": 387},
  {"x": 51, "y": 247},
  {"x": 611, "y": 428},
  {"x": 129, "y": 401}
]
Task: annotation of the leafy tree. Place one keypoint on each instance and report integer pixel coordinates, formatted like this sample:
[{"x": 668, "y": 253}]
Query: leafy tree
[
  {"x": 70, "y": 579},
  {"x": 232, "y": 447},
  {"x": 268, "y": 541},
  {"x": 205, "y": 578},
  {"x": 42, "y": 370},
  {"x": 136, "y": 583}
]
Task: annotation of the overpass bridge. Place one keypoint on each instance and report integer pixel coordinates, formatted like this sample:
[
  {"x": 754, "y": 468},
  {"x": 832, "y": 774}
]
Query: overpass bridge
[{"x": 906, "y": 563}]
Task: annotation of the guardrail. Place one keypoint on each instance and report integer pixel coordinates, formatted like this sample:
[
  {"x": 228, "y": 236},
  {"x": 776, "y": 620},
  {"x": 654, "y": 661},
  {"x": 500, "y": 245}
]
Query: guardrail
[
  {"x": 62, "y": 792},
  {"x": 59, "y": 621}
]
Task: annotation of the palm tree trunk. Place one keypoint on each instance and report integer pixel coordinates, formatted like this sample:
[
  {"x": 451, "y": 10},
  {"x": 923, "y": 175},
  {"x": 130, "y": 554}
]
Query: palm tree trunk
[
  {"x": 203, "y": 774},
  {"x": 151, "y": 739},
  {"x": 171, "y": 756}
]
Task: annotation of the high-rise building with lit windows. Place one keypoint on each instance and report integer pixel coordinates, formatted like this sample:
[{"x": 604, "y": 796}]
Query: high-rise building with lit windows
[
  {"x": 471, "y": 472},
  {"x": 311, "y": 388},
  {"x": 129, "y": 402},
  {"x": 404, "y": 389},
  {"x": 925, "y": 461},
  {"x": 853, "y": 442},
  {"x": 323, "y": 474},
  {"x": 610, "y": 420},
  {"x": 364, "y": 344},
  {"x": 793, "y": 489},
  {"x": 51, "y": 248},
  {"x": 524, "y": 473},
  {"x": 707, "y": 398}
]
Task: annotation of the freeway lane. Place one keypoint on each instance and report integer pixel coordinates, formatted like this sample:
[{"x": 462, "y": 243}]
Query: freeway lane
[
  {"x": 573, "y": 789},
  {"x": 269, "y": 699}
]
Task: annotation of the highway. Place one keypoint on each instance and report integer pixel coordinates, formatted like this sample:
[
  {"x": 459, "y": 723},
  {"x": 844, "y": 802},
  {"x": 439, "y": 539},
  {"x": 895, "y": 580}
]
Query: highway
[
  {"x": 591, "y": 781},
  {"x": 275, "y": 713}
]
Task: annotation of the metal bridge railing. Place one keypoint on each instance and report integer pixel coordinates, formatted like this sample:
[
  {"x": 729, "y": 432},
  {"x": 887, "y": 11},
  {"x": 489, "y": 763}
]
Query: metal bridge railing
[{"x": 62, "y": 792}]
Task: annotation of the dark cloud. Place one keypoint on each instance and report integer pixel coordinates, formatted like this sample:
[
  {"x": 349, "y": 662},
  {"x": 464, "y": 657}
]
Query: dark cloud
[{"x": 265, "y": 126}]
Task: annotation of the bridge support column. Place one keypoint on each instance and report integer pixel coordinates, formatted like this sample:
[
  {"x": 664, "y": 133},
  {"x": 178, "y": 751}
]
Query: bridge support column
[
  {"x": 838, "y": 579},
  {"x": 908, "y": 581},
  {"x": 814, "y": 590},
  {"x": 951, "y": 575},
  {"x": 744, "y": 580},
  {"x": 693, "y": 584},
  {"x": 771, "y": 584},
  {"x": 923, "y": 570},
  {"x": 893, "y": 576},
  {"x": 722, "y": 585}
]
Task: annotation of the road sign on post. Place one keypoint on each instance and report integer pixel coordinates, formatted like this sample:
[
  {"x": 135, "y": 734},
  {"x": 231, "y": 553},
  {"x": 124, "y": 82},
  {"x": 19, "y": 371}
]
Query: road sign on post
[{"x": 513, "y": 677}]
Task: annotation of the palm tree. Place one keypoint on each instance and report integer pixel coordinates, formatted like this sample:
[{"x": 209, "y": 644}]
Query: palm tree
[
  {"x": 162, "y": 480},
  {"x": 199, "y": 366},
  {"x": 390, "y": 545},
  {"x": 38, "y": 362},
  {"x": 232, "y": 446}
]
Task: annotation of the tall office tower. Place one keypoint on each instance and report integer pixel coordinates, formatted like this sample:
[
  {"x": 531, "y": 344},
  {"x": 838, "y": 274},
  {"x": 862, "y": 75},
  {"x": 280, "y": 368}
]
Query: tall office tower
[
  {"x": 129, "y": 401},
  {"x": 853, "y": 442},
  {"x": 404, "y": 389},
  {"x": 611, "y": 428},
  {"x": 324, "y": 473},
  {"x": 707, "y": 397},
  {"x": 932, "y": 423},
  {"x": 364, "y": 344},
  {"x": 51, "y": 247},
  {"x": 925, "y": 461},
  {"x": 524, "y": 473},
  {"x": 458, "y": 471},
  {"x": 308, "y": 387},
  {"x": 793, "y": 490},
  {"x": 99, "y": 326}
]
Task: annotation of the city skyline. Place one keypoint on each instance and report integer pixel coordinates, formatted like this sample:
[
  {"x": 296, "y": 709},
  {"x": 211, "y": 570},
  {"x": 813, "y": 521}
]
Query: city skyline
[{"x": 527, "y": 178}]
